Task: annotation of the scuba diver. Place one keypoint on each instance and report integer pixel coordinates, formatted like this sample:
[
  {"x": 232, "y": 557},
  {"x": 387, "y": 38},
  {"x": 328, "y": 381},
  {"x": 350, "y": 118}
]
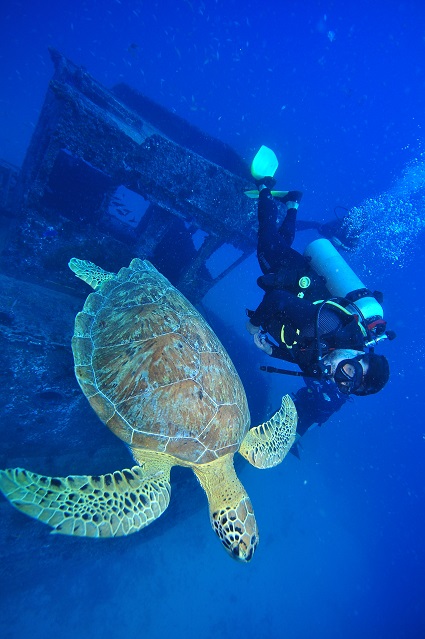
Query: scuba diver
[{"x": 315, "y": 312}]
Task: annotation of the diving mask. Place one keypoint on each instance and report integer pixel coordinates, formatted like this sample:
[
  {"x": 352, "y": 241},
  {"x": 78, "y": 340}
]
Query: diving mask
[{"x": 348, "y": 375}]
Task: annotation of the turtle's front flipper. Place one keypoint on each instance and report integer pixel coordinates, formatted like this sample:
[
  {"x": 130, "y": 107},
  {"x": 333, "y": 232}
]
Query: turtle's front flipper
[
  {"x": 231, "y": 512},
  {"x": 267, "y": 445},
  {"x": 93, "y": 275},
  {"x": 109, "y": 505}
]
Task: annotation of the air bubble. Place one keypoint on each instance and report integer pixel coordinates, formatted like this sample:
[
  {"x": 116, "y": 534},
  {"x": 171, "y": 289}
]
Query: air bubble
[{"x": 388, "y": 225}]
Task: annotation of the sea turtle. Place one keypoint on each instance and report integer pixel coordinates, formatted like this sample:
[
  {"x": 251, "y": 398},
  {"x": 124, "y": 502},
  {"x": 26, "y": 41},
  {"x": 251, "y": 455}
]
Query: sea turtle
[{"x": 157, "y": 375}]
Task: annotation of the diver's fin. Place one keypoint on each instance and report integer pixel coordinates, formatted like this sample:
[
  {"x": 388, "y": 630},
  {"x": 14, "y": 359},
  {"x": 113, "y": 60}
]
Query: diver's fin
[
  {"x": 264, "y": 164},
  {"x": 253, "y": 194}
]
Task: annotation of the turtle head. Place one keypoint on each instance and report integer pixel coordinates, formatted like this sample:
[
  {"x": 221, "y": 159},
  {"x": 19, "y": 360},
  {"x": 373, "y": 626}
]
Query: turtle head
[
  {"x": 231, "y": 512},
  {"x": 237, "y": 529}
]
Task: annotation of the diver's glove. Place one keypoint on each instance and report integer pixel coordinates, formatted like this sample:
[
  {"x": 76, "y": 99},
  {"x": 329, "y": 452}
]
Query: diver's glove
[
  {"x": 251, "y": 328},
  {"x": 260, "y": 340}
]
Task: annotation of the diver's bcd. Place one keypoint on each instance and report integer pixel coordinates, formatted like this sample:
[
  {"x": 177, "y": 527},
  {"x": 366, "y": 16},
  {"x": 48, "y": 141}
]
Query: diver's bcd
[{"x": 300, "y": 282}]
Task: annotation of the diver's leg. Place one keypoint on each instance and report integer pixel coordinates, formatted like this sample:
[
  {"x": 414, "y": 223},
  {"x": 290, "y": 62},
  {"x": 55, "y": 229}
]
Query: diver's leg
[
  {"x": 274, "y": 250},
  {"x": 287, "y": 229},
  {"x": 268, "y": 239}
]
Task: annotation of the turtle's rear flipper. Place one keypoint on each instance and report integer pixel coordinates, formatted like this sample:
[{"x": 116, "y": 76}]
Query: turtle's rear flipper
[
  {"x": 267, "y": 445},
  {"x": 109, "y": 505}
]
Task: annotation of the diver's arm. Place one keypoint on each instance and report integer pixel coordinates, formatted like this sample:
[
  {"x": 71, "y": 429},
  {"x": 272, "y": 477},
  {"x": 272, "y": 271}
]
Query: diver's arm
[
  {"x": 264, "y": 344},
  {"x": 315, "y": 404}
]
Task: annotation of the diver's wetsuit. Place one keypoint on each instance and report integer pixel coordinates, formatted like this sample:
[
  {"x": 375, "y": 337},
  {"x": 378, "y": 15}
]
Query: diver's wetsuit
[
  {"x": 288, "y": 314},
  {"x": 274, "y": 250}
]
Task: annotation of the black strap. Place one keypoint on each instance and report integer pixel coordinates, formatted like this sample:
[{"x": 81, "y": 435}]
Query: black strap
[{"x": 284, "y": 371}]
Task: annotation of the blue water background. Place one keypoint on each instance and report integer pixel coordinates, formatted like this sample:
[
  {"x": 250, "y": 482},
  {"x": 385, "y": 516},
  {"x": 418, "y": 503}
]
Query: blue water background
[{"x": 337, "y": 90}]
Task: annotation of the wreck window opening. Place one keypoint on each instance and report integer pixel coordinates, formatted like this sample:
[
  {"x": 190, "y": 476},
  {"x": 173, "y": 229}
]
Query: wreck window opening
[
  {"x": 198, "y": 238},
  {"x": 222, "y": 258},
  {"x": 124, "y": 210},
  {"x": 177, "y": 244},
  {"x": 76, "y": 188}
]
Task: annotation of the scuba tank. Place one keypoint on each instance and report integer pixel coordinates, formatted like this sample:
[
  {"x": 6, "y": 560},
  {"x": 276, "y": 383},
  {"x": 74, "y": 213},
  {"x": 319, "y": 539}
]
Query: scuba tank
[{"x": 342, "y": 282}]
